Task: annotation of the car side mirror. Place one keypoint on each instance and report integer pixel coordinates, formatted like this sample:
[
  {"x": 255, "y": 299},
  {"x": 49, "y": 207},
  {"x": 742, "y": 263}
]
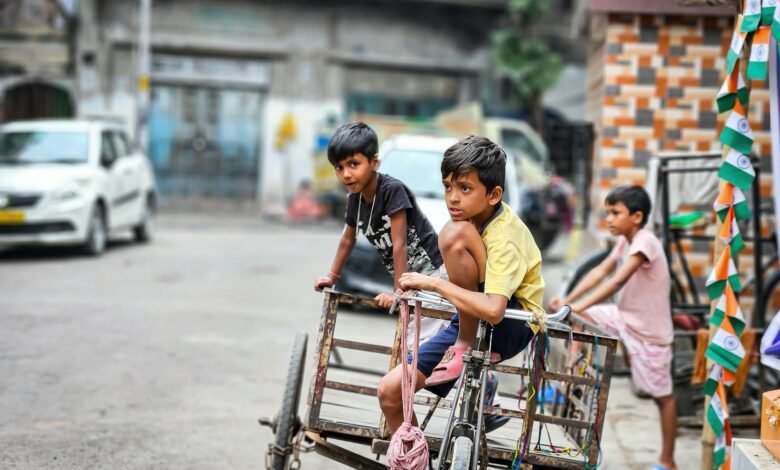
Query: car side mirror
[{"x": 106, "y": 161}]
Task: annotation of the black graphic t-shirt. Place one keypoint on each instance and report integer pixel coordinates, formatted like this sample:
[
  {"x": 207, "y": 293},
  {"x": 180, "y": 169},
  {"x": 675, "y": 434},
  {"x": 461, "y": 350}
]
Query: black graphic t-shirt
[{"x": 422, "y": 246}]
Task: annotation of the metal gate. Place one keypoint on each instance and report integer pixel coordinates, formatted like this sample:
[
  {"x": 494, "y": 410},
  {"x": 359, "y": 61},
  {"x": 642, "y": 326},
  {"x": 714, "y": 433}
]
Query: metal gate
[{"x": 204, "y": 141}]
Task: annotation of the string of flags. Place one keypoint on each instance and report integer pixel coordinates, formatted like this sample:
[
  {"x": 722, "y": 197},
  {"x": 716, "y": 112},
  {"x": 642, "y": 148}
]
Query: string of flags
[{"x": 758, "y": 24}]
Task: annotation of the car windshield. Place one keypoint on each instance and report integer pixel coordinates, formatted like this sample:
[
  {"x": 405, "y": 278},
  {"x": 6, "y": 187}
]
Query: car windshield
[
  {"x": 517, "y": 141},
  {"x": 43, "y": 147},
  {"x": 419, "y": 170}
]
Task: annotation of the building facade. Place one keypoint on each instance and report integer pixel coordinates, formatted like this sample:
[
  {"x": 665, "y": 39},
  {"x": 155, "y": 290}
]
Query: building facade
[
  {"x": 36, "y": 62},
  {"x": 239, "y": 89}
]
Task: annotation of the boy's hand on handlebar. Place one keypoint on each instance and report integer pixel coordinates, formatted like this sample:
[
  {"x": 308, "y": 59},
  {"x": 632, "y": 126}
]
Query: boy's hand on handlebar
[
  {"x": 417, "y": 281},
  {"x": 323, "y": 282},
  {"x": 384, "y": 300},
  {"x": 556, "y": 303}
]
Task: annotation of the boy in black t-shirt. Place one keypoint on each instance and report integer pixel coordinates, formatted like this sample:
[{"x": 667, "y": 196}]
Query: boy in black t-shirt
[{"x": 386, "y": 212}]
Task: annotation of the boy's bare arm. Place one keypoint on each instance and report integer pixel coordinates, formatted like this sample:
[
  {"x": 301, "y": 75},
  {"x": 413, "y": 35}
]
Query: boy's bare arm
[
  {"x": 595, "y": 276},
  {"x": 488, "y": 307},
  {"x": 346, "y": 243},
  {"x": 613, "y": 284},
  {"x": 398, "y": 236}
]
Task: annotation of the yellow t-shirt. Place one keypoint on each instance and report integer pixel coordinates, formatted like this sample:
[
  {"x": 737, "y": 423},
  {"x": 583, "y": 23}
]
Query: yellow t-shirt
[{"x": 514, "y": 262}]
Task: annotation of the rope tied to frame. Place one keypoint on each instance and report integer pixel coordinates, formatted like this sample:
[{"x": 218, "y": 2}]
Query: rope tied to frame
[
  {"x": 408, "y": 448},
  {"x": 540, "y": 319}
]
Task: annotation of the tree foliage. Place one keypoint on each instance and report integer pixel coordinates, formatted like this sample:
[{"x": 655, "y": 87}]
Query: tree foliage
[{"x": 522, "y": 57}]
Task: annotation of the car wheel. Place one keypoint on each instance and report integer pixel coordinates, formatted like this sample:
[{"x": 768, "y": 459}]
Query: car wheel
[
  {"x": 144, "y": 231},
  {"x": 97, "y": 237}
]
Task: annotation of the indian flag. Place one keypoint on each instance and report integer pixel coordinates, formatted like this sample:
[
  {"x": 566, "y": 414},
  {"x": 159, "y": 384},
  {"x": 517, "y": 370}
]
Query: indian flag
[
  {"x": 717, "y": 412},
  {"x": 731, "y": 196},
  {"x": 713, "y": 379},
  {"x": 759, "y": 54},
  {"x": 776, "y": 24},
  {"x": 723, "y": 272},
  {"x": 730, "y": 234},
  {"x": 735, "y": 48},
  {"x": 728, "y": 307},
  {"x": 737, "y": 169},
  {"x": 719, "y": 451},
  {"x": 729, "y": 378},
  {"x": 734, "y": 88},
  {"x": 767, "y": 11},
  {"x": 751, "y": 13},
  {"x": 726, "y": 348},
  {"x": 737, "y": 133}
]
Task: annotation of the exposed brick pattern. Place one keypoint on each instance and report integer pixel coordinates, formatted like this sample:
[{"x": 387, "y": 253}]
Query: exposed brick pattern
[{"x": 659, "y": 79}]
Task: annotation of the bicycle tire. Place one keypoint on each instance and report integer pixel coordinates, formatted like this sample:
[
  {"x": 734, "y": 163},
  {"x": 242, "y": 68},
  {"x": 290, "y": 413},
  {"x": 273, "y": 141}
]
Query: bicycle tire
[
  {"x": 461, "y": 453},
  {"x": 287, "y": 419}
]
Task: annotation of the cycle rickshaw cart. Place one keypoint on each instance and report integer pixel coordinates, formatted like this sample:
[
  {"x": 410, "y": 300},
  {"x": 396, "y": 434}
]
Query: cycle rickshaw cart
[{"x": 554, "y": 422}]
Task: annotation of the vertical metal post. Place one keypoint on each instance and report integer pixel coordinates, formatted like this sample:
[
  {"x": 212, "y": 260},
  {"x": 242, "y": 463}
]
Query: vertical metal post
[
  {"x": 144, "y": 67},
  {"x": 665, "y": 209},
  {"x": 758, "y": 286}
]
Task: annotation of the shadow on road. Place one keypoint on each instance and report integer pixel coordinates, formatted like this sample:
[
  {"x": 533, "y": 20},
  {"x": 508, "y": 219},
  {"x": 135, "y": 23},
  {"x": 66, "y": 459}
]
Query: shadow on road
[{"x": 50, "y": 253}]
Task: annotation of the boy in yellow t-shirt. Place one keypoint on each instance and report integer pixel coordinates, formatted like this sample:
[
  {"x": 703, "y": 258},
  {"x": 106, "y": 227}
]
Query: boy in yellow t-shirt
[{"x": 493, "y": 264}]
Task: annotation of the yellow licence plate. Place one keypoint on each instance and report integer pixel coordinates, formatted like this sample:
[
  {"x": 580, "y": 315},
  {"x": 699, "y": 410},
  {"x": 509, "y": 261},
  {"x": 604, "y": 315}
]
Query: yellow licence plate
[{"x": 11, "y": 217}]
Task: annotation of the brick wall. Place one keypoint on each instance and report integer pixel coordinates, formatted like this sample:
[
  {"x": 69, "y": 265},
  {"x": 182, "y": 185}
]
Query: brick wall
[{"x": 658, "y": 78}]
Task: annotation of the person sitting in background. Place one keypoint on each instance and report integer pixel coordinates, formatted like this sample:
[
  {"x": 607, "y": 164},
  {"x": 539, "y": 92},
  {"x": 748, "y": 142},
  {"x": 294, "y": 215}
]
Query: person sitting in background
[
  {"x": 305, "y": 205},
  {"x": 642, "y": 318}
]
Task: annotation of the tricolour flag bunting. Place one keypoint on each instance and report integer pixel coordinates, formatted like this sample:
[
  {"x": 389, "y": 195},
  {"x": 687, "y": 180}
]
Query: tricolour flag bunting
[
  {"x": 717, "y": 413},
  {"x": 737, "y": 133},
  {"x": 767, "y": 11},
  {"x": 731, "y": 196},
  {"x": 751, "y": 12},
  {"x": 728, "y": 306},
  {"x": 730, "y": 234},
  {"x": 713, "y": 379},
  {"x": 737, "y": 169},
  {"x": 734, "y": 88},
  {"x": 759, "y": 54},
  {"x": 723, "y": 272},
  {"x": 776, "y": 24},
  {"x": 725, "y": 348},
  {"x": 735, "y": 47}
]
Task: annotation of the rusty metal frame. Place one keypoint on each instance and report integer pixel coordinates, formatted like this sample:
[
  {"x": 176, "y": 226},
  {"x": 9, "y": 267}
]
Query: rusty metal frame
[{"x": 586, "y": 433}]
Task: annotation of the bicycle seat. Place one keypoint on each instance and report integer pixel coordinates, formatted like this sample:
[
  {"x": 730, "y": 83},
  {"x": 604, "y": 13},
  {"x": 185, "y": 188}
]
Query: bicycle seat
[{"x": 684, "y": 220}]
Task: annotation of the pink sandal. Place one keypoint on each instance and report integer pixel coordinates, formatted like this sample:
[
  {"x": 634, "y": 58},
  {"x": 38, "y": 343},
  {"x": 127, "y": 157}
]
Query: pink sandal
[{"x": 450, "y": 366}]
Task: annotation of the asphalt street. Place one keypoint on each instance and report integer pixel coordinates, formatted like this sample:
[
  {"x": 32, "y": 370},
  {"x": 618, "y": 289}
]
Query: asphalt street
[{"x": 164, "y": 355}]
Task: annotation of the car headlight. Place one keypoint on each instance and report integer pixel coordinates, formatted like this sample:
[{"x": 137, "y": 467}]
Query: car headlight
[
  {"x": 72, "y": 191},
  {"x": 67, "y": 195}
]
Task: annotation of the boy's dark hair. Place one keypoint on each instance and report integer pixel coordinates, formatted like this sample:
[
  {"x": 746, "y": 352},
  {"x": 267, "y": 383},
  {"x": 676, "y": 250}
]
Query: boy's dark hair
[
  {"x": 634, "y": 197},
  {"x": 479, "y": 154},
  {"x": 352, "y": 138}
]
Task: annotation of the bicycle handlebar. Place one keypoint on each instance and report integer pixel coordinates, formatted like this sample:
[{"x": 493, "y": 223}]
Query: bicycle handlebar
[{"x": 511, "y": 313}]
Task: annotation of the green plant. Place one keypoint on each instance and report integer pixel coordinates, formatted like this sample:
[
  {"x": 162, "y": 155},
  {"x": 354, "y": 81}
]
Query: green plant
[{"x": 524, "y": 58}]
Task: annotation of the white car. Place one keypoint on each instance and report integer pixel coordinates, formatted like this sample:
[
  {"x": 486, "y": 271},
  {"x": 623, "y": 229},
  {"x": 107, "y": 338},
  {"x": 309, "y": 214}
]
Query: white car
[
  {"x": 415, "y": 160},
  {"x": 66, "y": 182}
]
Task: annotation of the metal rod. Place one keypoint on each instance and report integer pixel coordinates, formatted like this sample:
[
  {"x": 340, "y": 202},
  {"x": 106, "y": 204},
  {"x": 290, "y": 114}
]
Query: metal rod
[
  {"x": 686, "y": 269},
  {"x": 758, "y": 317},
  {"x": 513, "y": 314},
  {"x": 692, "y": 156},
  {"x": 665, "y": 209}
]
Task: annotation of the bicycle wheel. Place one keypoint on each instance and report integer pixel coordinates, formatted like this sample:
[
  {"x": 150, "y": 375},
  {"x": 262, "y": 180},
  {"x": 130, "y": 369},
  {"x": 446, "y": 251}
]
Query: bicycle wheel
[
  {"x": 287, "y": 422},
  {"x": 461, "y": 453}
]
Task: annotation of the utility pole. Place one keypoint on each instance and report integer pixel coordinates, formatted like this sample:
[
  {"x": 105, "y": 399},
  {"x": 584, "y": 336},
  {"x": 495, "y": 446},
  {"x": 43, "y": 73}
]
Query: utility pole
[{"x": 144, "y": 66}]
